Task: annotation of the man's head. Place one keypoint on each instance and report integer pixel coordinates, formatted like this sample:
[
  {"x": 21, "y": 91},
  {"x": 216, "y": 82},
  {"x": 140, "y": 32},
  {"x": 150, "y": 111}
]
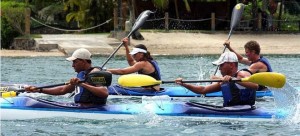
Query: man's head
[
  {"x": 252, "y": 50},
  {"x": 81, "y": 59},
  {"x": 253, "y": 46},
  {"x": 80, "y": 54},
  {"x": 228, "y": 63}
]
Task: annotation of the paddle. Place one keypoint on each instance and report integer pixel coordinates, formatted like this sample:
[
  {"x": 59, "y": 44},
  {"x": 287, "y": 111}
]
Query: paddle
[
  {"x": 138, "y": 23},
  {"x": 271, "y": 79},
  {"x": 236, "y": 16},
  {"x": 5, "y": 94},
  {"x": 102, "y": 78},
  {"x": 14, "y": 93}
]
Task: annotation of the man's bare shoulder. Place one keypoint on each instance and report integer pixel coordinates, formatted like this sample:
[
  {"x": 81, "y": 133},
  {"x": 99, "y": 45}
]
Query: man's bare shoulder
[
  {"x": 243, "y": 74},
  {"x": 258, "y": 67}
]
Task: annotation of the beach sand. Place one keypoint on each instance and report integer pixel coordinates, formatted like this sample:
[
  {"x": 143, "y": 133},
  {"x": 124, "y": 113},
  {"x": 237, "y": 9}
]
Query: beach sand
[{"x": 180, "y": 43}]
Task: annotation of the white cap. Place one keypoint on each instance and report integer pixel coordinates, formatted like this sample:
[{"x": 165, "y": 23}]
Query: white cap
[
  {"x": 137, "y": 50},
  {"x": 226, "y": 57},
  {"x": 80, "y": 54}
]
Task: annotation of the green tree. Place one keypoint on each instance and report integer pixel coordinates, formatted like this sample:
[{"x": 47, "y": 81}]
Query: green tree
[
  {"x": 12, "y": 21},
  {"x": 100, "y": 11},
  {"x": 78, "y": 11},
  {"x": 13, "y": 12},
  {"x": 47, "y": 13},
  {"x": 88, "y": 13}
]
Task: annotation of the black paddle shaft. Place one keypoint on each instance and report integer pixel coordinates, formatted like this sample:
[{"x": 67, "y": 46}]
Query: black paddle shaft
[
  {"x": 47, "y": 86},
  {"x": 199, "y": 81},
  {"x": 100, "y": 77}
]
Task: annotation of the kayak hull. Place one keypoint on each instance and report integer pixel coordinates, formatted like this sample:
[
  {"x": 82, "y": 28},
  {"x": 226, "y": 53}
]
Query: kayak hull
[
  {"x": 22, "y": 114},
  {"x": 31, "y": 108}
]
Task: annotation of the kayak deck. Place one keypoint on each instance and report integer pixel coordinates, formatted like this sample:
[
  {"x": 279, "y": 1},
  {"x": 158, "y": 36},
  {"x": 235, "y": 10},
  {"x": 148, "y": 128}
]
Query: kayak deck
[{"x": 28, "y": 108}]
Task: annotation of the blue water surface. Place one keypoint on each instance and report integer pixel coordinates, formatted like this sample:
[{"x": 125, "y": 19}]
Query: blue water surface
[{"x": 53, "y": 70}]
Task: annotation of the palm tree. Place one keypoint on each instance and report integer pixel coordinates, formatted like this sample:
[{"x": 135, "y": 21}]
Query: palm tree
[{"x": 79, "y": 10}]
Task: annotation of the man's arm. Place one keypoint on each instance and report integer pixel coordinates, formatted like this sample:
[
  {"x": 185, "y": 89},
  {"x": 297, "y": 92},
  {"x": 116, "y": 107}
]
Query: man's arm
[
  {"x": 129, "y": 58},
  {"x": 132, "y": 69},
  {"x": 258, "y": 67},
  {"x": 60, "y": 90},
  {"x": 200, "y": 89},
  {"x": 100, "y": 91},
  {"x": 239, "y": 56},
  {"x": 244, "y": 74}
]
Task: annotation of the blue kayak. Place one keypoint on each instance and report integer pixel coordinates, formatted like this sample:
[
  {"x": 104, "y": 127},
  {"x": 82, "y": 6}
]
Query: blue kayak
[
  {"x": 24, "y": 107},
  {"x": 176, "y": 91},
  {"x": 171, "y": 91}
]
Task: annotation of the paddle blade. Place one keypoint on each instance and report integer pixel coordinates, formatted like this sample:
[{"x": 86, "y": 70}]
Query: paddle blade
[
  {"x": 236, "y": 15},
  {"x": 8, "y": 94},
  {"x": 137, "y": 80},
  {"x": 140, "y": 21},
  {"x": 271, "y": 79}
]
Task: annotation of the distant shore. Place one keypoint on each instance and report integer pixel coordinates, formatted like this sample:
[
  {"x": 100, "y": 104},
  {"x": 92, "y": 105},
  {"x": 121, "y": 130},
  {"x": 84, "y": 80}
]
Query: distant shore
[
  {"x": 21, "y": 53},
  {"x": 180, "y": 43}
]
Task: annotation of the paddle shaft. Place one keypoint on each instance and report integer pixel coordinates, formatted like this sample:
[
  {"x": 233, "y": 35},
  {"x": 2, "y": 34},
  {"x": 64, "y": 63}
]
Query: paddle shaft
[
  {"x": 271, "y": 79},
  {"x": 17, "y": 92},
  {"x": 111, "y": 55},
  {"x": 235, "y": 19},
  {"x": 47, "y": 86},
  {"x": 139, "y": 22},
  {"x": 199, "y": 81},
  {"x": 223, "y": 51},
  {"x": 229, "y": 35}
]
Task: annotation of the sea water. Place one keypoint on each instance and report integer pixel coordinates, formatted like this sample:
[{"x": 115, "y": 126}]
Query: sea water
[{"x": 53, "y": 70}]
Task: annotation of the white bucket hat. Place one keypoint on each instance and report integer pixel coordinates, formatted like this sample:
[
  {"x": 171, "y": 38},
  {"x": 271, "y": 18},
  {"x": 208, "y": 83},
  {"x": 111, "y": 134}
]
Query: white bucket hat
[
  {"x": 80, "y": 54},
  {"x": 226, "y": 57}
]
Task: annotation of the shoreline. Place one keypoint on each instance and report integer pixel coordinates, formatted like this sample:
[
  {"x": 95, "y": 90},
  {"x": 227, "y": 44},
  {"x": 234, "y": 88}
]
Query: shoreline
[
  {"x": 181, "y": 43},
  {"x": 26, "y": 53}
]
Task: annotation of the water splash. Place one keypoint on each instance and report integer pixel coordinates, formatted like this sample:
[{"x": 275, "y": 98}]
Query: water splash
[
  {"x": 202, "y": 70},
  {"x": 296, "y": 117},
  {"x": 287, "y": 99},
  {"x": 150, "y": 104}
]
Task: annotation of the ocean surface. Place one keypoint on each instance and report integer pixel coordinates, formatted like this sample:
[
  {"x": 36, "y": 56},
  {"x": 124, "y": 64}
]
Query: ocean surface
[{"x": 53, "y": 70}]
